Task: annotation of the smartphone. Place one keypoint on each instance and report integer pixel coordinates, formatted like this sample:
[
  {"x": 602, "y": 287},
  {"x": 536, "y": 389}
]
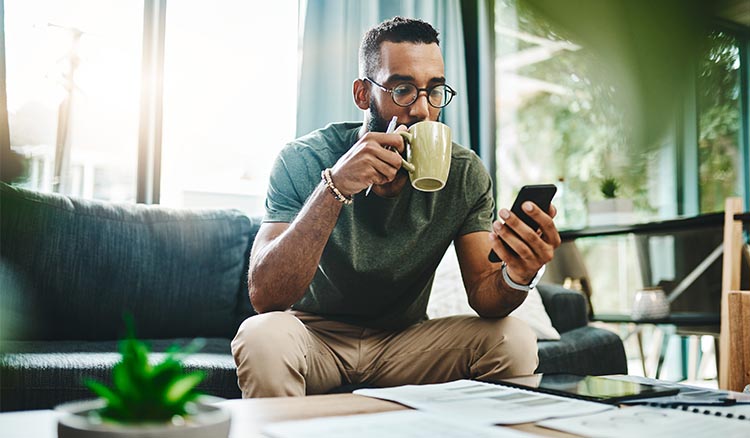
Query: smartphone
[{"x": 539, "y": 194}]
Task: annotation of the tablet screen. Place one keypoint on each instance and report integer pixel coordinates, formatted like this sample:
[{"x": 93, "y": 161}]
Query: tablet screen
[{"x": 594, "y": 388}]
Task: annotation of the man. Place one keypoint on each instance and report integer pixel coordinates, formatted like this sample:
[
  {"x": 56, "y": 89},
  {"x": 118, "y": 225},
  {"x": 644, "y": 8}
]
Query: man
[{"x": 341, "y": 279}]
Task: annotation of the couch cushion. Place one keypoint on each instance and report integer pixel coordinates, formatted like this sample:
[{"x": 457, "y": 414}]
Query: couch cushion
[
  {"x": 566, "y": 308},
  {"x": 583, "y": 351},
  {"x": 40, "y": 375},
  {"x": 181, "y": 273}
]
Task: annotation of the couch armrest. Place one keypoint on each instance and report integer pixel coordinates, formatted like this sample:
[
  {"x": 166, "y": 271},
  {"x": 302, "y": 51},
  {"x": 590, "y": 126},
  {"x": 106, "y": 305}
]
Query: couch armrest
[{"x": 566, "y": 308}]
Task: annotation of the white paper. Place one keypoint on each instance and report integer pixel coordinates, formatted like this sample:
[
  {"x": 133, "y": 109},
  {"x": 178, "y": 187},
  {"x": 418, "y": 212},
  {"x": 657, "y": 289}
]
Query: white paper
[
  {"x": 694, "y": 394},
  {"x": 396, "y": 424},
  {"x": 641, "y": 421},
  {"x": 472, "y": 402}
]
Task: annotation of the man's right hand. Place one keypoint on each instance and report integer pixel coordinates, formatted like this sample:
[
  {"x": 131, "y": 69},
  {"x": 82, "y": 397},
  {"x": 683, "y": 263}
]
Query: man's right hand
[{"x": 374, "y": 159}]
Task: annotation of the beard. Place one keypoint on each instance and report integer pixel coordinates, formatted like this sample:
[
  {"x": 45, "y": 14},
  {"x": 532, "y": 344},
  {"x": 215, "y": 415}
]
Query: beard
[{"x": 376, "y": 123}]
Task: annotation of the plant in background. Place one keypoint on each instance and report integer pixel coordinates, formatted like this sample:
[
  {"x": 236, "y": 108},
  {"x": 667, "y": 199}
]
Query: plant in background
[
  {"x": 609, "y": 187},
  {"x": 143, "y": 392}
]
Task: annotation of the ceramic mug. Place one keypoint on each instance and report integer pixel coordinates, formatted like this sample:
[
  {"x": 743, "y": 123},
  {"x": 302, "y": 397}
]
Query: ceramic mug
[{"x": 428, "y": 156}]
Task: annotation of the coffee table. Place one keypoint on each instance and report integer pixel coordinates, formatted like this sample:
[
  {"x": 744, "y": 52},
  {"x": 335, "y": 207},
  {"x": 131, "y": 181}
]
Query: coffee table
[
  {"x": 251, "y": 415},
  {"x": 248, "y": 416}
]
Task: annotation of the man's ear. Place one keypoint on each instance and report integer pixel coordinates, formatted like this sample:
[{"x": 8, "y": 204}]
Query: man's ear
[{"x": 361, "y": 94}]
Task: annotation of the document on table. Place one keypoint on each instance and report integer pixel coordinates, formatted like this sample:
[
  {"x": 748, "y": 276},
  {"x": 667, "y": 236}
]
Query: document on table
[
  {"x": 472, "y": 402},
  {"x": 397, "y": 424},
  {"x": 692, "y": 394},
  {"x": 648, "y": 421}
]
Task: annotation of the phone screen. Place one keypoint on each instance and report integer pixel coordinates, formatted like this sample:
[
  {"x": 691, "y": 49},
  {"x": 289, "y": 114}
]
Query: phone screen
[{"x": 539, "y": 194}]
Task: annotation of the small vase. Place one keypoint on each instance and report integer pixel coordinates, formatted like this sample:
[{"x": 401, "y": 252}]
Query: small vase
[
  {"x": 650, "y": 303},
  {"x": 209, "y": 422}
]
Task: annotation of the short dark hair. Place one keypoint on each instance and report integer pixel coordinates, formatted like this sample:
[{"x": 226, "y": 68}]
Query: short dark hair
[{"x": 395, "y": 30}]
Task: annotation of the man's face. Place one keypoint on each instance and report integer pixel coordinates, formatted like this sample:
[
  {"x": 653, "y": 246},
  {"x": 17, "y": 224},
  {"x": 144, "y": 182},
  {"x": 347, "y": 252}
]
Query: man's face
[{"x": 419, "y": 64}]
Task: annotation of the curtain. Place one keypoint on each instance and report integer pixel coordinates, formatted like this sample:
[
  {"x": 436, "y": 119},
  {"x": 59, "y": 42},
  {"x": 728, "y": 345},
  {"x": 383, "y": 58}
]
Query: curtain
[
  {"x": 331, "y": 33},
  {"x": 11, "y": 164},
  {"x": 479, "y": 36}
]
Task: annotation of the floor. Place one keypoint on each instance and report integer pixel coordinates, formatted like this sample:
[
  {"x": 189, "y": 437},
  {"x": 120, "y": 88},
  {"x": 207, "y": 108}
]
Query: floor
[{"x": 697, "y": 366}]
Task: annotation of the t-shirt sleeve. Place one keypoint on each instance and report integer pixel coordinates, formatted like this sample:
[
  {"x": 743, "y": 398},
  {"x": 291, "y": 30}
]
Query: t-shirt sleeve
[
  {"x": 482, "y": 203},
  {"x": 283, "y": 200}
]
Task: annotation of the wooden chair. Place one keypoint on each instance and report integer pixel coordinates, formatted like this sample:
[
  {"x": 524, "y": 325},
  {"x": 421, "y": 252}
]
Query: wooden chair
[{"x": 734, "y": 363}]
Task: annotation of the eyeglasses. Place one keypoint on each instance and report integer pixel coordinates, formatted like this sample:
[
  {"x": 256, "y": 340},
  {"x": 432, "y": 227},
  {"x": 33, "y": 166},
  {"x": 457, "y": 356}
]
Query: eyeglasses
[{"x": 405, "y": 94}]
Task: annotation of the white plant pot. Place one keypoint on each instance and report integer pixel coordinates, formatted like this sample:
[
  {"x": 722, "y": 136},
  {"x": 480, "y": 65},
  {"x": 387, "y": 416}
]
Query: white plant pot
[
  {"x": 617, "y": 211},
  {"x": 210, "y": 422}
]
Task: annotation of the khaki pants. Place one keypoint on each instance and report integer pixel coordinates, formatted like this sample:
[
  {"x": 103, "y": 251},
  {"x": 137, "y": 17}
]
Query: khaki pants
[{"x": 293, "y": 353}]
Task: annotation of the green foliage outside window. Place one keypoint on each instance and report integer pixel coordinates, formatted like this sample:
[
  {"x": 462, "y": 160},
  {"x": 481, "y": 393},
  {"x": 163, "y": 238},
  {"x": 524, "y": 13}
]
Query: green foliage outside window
[
  {"x": 585, "y": 127},
  {"x": 591, "y": 137},
  {"x": 719, "y": 121}
]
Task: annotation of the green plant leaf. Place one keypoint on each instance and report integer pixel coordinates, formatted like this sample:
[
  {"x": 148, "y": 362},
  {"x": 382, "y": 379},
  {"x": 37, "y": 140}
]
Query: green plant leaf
[
  {"x": 145, "y": 392},
  {"x": 194, "y": 346},
  {"x": 113, "y": 400},
  {"x": 124, "y": 383},
  {"x": 182, "y": 386},
  {"x": 177, "y": 353},
  {"x": 165, "y": 373}
]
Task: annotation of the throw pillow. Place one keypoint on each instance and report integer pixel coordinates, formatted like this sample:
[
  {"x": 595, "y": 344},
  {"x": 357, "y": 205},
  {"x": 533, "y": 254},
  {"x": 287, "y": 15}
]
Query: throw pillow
[
  {"x": 449, "y": 298},
  {"x": 532, "y": 312}
]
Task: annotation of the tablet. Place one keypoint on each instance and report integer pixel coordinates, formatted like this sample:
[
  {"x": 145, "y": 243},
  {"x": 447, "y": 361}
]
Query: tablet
[{"x": 593, "y": 388}]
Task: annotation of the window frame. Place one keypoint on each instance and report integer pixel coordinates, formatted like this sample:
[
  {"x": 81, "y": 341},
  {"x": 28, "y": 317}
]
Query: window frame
[
  {"x": 148, "y": 180},
  {"x": 687, "y": 131}
]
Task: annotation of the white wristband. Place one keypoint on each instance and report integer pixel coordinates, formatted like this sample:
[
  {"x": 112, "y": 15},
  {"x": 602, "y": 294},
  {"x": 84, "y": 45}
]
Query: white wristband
[{"x": 513, "y": 285}]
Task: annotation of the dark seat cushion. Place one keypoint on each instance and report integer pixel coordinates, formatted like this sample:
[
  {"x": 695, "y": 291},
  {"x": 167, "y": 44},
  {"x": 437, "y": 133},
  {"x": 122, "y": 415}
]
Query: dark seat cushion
[
  {"x": 181, "y": 273},
  {"x": 41, "y": 374},
  {"x": 583, "y": 351}
]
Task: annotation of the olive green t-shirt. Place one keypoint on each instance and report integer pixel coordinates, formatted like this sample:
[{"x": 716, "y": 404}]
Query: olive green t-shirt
[{"x": 378, "y": 265}]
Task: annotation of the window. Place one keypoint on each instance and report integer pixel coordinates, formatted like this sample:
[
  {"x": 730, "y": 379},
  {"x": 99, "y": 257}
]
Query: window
[
  {"x": 73, "y": 71},
  {"x": 720, "y": 175},
  {"x": 230, "y": 88},
  {"x": 560, "y": 120}
]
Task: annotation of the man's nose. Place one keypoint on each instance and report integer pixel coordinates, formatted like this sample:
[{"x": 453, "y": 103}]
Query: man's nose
[{"x": 420, "y": 109}]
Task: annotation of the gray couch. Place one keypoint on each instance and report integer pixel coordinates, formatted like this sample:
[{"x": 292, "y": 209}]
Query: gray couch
[{"x": 70, "y": 268}]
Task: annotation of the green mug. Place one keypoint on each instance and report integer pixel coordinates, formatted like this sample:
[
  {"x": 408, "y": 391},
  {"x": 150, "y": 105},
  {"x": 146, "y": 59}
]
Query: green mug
[{"x": 428, "y": 156}]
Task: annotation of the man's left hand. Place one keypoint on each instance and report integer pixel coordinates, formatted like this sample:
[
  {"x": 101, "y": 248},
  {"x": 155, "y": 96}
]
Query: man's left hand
[{"x": 522, "y": 249}]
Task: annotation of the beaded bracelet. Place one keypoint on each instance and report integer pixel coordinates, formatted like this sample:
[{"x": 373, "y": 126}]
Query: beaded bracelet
[{"x": 326, "y": 176}]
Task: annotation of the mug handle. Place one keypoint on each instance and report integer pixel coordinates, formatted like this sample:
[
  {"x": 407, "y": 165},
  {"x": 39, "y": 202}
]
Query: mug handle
[{"x": 407, "y": 141}]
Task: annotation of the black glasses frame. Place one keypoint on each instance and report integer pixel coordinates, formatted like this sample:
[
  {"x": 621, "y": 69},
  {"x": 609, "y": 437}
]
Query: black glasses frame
[{"x": 428, "y": 90}]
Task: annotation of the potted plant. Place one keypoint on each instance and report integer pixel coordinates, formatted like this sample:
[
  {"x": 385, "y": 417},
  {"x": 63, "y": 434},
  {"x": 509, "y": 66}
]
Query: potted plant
[
  {"x": 146, "y": 400},
  {"x": 609, "y": 187},
  {"x": 611, "y": 210}
]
